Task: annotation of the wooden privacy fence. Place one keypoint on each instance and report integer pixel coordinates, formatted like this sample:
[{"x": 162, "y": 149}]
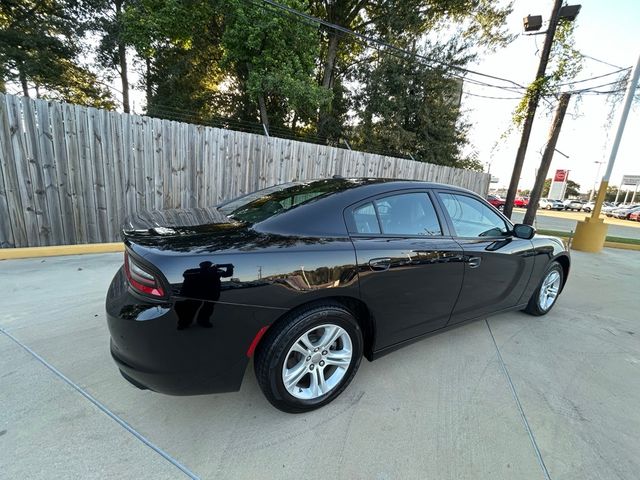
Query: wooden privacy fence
[{"x": 70, "y": 174}]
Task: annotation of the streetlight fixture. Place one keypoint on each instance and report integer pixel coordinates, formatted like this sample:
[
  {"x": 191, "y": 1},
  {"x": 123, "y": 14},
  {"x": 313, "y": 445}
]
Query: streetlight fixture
[{"x": 534, "y": 23}]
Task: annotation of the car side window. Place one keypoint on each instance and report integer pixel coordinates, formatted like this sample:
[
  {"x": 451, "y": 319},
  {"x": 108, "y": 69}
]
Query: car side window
[
  {"x": 408, "y": 214},
  {"x": 472, "y": 218},
  {"x": 365, "y": 220}
]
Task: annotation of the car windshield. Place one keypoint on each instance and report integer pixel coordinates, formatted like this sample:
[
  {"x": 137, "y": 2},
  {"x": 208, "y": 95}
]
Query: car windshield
[{"x": 266, "y": 203}]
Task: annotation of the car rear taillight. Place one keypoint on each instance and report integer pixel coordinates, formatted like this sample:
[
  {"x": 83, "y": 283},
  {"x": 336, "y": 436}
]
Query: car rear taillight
[{"x": 141, "y": 279}]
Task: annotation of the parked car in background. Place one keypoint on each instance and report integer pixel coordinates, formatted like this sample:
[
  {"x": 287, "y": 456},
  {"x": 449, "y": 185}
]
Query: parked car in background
[
  {"x": 635, "y": 216},
  {"x": 496, "y": 201},
  {"x": 306, "y": 278},
  {"x": 625, "y": 212},
  {"x": 608, "y": 207},
  {"x": 521, "y": 202},
  {"x": 588, "y": 206},
  {"x": 573, "y": 205},
  {"x": 549, "y": 204}
]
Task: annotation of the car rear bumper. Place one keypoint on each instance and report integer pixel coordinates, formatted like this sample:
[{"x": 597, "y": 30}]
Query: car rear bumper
[{"x": 154, "y": 350}]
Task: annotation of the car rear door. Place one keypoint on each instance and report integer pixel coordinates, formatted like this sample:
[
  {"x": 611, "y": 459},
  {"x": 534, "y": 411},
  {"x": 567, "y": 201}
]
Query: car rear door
[
  {"x": 410, "y": 269},
  {"x": 497, "y": 265}
]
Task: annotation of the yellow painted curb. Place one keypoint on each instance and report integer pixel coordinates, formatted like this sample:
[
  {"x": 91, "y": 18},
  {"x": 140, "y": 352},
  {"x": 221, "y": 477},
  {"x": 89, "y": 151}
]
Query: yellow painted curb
[
  {"x": 625, "y": 246},
  {"x": 54, "y": 251}
]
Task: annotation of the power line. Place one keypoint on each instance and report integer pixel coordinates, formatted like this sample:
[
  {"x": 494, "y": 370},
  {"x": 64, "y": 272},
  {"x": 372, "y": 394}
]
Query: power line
[
  {"x": 490, "y": 97},
  {"x": 600, "y": 61},
  {"x": 594, "y": 78},
  {"x": 387, "y": 45}
]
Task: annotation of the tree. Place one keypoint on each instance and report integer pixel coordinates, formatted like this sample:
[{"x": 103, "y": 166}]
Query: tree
[
  {"x": 481, "y": 22},
  {"x": 410, "y": 109},
  {"x": 111, "y": 54},
  {"x": 40, "y": 47},
  {"x": 273, "y": 60},
  {"x": 179, "y": 44},
  {"x": 573, "y": 188}
]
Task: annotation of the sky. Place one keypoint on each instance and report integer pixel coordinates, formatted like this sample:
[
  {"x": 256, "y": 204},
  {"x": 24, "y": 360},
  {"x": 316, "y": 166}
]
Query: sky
[{"x": 606, "y": 30}]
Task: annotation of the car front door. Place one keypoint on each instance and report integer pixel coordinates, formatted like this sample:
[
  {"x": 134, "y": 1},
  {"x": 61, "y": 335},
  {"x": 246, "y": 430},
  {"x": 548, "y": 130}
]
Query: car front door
[
  {"x": 410, "y": 269},
  {"x": 497, "y": 264}
]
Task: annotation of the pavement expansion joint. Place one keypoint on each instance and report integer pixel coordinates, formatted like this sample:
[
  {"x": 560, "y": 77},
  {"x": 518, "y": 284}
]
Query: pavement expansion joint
[
  {"x": 527, "y": 427},
  {"x": 103, "y": 408}
]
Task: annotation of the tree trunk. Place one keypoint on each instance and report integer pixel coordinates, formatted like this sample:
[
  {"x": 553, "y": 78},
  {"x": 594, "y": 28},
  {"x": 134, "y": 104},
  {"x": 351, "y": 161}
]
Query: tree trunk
[
  {"x": 122, "y": 60},
  {"x": 147, "y": 81},
  {"x": 124, "y": 78},
  {"x": 264, "y": 118},
  {"x": 327, "y": 83},
  {"x": 330, "y": 62},
  {"x": 23, "y": 82}
]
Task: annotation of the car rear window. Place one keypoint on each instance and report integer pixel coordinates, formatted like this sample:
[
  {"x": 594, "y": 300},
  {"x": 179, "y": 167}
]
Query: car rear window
[{"x": 263, "y": 204}]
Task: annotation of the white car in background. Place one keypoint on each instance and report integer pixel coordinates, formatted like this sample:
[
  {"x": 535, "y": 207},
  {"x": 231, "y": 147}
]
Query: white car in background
[{"x": 549, "y": 204}]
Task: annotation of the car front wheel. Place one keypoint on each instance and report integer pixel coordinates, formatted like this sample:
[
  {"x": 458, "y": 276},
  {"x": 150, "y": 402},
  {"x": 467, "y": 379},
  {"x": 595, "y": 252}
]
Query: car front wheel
[
  {"x": 545, "y": 296},
  {"x": 307, "y": 360}
]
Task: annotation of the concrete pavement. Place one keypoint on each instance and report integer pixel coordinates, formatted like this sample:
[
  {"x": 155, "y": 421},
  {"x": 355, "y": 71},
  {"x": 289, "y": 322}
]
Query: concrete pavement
[{"x": 557, "y": 398}]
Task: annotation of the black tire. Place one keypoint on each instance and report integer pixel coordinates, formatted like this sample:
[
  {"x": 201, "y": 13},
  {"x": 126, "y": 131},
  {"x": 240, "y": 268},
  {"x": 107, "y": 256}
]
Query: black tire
[
  {"x": 274, "y": 347},
  {"x": 534, "y": 307},
  {"x": 548, "y": 207}
]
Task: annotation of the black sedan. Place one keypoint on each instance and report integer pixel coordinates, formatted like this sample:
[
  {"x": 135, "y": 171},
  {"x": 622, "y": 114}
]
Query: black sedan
[{"x": 308, "y": 277}]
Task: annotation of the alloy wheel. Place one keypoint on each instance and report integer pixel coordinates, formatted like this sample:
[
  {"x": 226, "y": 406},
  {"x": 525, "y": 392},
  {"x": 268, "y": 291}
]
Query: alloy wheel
[
  {"x": 317, "y": 361},
  {"x": 549, "y": 290}
]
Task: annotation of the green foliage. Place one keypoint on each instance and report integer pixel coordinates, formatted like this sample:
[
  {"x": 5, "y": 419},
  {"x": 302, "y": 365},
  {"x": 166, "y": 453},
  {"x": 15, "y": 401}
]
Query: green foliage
[
  {"x": 565, "y": 62},
  {"x": 40, "y": 47},
  {"x": 273, "y": 60},
  {"x": 241, "y": 63},
  {"x": 178, "y": 42},
  {"x": 409, "y": 109}
]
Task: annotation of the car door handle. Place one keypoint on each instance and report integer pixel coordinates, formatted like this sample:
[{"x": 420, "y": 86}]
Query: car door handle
[
  {"x": 380, "y": 264},
  {"x": 474, "y": 262}
]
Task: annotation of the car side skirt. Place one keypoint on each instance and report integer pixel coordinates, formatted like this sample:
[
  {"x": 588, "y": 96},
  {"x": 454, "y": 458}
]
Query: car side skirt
[{"x": 385, "y": 351}]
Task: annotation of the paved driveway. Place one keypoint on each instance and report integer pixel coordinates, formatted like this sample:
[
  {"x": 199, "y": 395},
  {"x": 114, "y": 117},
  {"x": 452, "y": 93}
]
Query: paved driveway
[{"x": 514, "y": 397}]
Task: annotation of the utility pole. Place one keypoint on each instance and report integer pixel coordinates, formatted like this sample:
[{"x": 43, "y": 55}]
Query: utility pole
[
  {"x": 547, "y": 156},
  {"x": 532, "y": 105},
  {"x": 592, "y": 232}
]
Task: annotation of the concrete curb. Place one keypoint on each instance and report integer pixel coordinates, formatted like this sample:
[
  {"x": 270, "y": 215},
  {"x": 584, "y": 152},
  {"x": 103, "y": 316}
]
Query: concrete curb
[{"x": 57, "y": 250}]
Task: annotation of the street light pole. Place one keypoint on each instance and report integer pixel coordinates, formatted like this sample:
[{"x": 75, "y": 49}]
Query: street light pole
[
  {"x": 595, "y": 182},
  {"x": 591, "y": 233},
  {"x": 532, "y": 105}
]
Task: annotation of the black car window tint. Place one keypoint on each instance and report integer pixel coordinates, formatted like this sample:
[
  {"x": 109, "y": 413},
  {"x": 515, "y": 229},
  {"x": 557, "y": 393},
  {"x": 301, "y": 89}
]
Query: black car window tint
[
  {"x": 408, "y": 214},
  {"x": 270, "y": 202},
  {"x": 472, "y": 218},
  {"x": 365, "y": 219}
]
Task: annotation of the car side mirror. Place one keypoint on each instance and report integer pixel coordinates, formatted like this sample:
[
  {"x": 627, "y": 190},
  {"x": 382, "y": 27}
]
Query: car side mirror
[{"x": 521, "y": 230}]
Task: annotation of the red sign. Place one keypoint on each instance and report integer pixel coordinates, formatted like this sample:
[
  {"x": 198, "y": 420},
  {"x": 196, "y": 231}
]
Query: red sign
[{"x": 561, "y": 176}]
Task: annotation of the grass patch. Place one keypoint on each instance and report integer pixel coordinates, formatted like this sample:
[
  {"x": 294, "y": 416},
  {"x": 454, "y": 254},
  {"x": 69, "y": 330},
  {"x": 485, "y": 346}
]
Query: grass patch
[{"x": 559, "y": 233}]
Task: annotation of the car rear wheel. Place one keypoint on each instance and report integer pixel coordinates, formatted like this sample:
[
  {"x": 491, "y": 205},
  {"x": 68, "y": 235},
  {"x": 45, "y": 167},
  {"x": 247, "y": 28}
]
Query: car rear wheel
[
  {"x": 306, "y": 361},
  {"x": 545, "y": 296}
]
